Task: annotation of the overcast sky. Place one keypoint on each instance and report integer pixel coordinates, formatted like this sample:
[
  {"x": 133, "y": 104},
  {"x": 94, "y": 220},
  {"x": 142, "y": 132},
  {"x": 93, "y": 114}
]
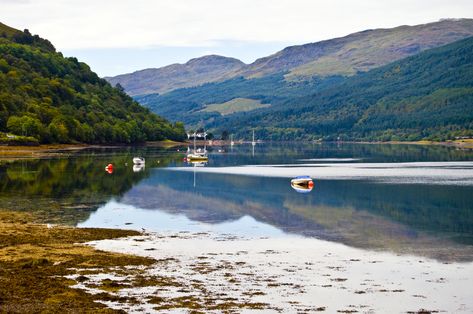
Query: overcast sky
[{"x": 119, "y": 36}]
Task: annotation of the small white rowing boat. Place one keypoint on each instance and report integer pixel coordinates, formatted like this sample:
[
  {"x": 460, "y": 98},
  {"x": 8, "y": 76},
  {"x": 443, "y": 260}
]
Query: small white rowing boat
[
  {"x": 138, "y": 160},
  {"x": 302, "y": 184}
]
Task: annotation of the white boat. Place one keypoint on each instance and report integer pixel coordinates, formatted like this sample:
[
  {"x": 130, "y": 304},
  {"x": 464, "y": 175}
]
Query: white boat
[
  {"x": 197, "y": 157},
  {"x": 302, "y": 184},
  {"x": 253, "y": 141},
  {"x": 138, "y": 160}
]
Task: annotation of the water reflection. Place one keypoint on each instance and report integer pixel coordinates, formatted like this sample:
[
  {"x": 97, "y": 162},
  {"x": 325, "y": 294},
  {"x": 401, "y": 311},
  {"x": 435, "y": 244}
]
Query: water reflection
[
  {"x": 422, "y": 219},
  {"x": 138, "y": 168},
  {"x": 426, "y": 220},
  {"x": 67, "y": 190}
]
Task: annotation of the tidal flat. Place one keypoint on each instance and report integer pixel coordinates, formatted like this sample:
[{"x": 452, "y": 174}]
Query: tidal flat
[
  {"x": 212, "y": 272},
  {"x": 48, "y": 268}
]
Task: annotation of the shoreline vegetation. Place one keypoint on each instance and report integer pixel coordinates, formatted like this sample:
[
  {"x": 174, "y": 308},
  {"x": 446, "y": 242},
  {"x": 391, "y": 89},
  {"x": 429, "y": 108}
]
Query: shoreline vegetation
[{"x": 463, "y": 143}]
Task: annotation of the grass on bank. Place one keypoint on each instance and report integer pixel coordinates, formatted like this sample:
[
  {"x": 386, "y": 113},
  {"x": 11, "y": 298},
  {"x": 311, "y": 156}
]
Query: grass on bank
[{"x": 235, "y": 105}]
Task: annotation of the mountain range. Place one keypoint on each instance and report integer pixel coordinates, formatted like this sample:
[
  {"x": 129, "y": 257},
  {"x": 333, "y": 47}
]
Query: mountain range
[
  {"x": 425, "y": 96},
  {"x": 404, "y": 83},
  {"x": 195, "y": 72},
  {"x": 345, "y": 56}
]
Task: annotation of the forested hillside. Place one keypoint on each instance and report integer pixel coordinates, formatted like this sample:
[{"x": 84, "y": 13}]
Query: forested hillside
[
  {"x": 47, "y": 98},
  {"x": 426, "y": 96},
  {"x": 190, "y": 104}
]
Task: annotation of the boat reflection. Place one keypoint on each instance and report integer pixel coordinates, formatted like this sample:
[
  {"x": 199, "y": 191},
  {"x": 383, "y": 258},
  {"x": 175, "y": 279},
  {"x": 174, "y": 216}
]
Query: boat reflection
[
  {"x": 138, "y": 167},
  {"x": 196, "y": 163}
]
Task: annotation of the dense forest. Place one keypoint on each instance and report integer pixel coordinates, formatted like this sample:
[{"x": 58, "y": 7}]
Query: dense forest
[
  {"x": 47, "y": 98},
  {"x": 426, "y": 96}
]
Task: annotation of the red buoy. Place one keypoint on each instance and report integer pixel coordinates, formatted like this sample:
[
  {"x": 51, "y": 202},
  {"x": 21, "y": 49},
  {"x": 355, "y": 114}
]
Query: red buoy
[{"x": 109, "y": 168}]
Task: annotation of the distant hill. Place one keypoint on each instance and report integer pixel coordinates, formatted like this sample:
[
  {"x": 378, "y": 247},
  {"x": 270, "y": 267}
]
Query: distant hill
[
  {"x": 349, "y": 55},
  {"x": 360, "y": 51},
  {"x": 195, "y": 72},
  {"x": 425, "y": 96},
  {"x": 47, "y": 98}
]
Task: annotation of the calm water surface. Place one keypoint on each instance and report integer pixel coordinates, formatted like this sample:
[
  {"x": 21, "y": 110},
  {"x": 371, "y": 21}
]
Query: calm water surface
[{"x": 406, "y": 199}]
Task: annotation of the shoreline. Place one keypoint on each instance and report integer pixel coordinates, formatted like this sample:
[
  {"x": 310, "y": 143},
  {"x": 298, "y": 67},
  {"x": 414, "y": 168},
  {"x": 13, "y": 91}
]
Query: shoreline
[
  {"x": 467, "y": 143},
  {"x": 54, "y": 150},
  {"x": 116, "y": 270}
]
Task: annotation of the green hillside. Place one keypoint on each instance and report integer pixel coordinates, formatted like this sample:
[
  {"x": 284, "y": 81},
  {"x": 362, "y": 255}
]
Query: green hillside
[
  {"x": 47, "y": 98},
  {"x": 235, "y": 105},
  {"x": 189, "y": 104},
  {"x": 426, "y": 96}
]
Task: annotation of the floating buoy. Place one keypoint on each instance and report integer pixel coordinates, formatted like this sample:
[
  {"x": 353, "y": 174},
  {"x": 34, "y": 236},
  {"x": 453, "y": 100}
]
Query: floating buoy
[
  {"x": 302, "y": 184},
  {"x": 109, "y": 168}
]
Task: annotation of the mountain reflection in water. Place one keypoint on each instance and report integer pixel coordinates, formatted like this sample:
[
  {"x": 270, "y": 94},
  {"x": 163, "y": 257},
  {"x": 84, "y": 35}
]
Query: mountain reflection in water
[{"x": 420, "y": 219}]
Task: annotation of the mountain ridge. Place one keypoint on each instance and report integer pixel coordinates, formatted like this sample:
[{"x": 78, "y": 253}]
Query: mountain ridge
[
  {"x": 347, "y": 55},
  {"x": 439, "y": 33},
  {"x": 177, "y": 75}
]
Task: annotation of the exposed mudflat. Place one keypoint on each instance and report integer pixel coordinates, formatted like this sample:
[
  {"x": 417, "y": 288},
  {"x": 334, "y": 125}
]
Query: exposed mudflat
[{"x": 214, "y": 272}]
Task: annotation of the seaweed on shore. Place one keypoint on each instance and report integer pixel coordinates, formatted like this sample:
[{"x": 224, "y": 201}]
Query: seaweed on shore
[{"x": 35, "y": 259}]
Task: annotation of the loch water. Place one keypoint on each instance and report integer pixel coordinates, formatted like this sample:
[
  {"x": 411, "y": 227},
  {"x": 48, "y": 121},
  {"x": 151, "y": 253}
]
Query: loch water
[{"x": 405, "y": 199}]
